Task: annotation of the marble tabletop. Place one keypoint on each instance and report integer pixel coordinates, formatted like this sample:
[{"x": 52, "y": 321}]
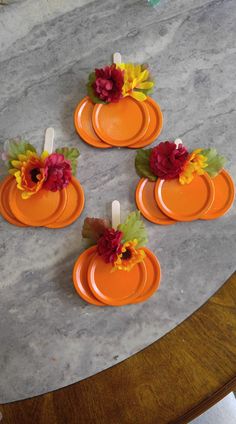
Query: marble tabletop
[{"x": 49, "y": 337}]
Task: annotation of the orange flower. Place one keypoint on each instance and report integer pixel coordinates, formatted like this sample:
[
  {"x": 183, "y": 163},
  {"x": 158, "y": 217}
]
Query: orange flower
[
  {"x": 129, "y": 256},
  {"x": 29, "y": 172}
]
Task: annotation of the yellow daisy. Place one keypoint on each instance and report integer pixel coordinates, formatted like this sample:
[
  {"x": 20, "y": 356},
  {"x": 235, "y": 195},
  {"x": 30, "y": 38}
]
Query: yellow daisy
[
  {"x": 195, "y": 165},
  {"x": 136, "y": 79}
]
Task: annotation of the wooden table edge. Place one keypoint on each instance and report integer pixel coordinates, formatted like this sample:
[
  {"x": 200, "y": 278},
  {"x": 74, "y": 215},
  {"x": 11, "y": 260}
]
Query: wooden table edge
[
  {"x": 173, "y": 380},
  {"x": 206, "y": 403}
]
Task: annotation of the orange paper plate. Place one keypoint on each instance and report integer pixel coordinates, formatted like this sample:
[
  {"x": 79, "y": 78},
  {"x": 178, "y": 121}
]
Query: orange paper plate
[
  {"x": 155, "y": 125},
  {"x": 146, "y": 203},
  {"x": 224, "y": 196},
  {"x": 40, "y": 209},
  {"x": 153, "y": 276},
  {"x": 80, "y": 277},
  {"x": 185, "y": 202},
  {"x": 74, "y": 206},
  {"x": 118, "y": 287},
  {"x": 4, "y": 202},
  {"x": 121, "y": 124},
  {"x": 83, "y": 124}
]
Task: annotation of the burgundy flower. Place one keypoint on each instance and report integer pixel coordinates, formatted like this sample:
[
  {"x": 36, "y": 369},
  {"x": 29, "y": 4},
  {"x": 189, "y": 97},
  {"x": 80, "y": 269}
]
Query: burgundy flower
[
  {"x": 109, "y": 245},
  {"x": 58, "y": 172},
  {"x": 108, "y": 84},
  {"x": 167, "y": 160}
]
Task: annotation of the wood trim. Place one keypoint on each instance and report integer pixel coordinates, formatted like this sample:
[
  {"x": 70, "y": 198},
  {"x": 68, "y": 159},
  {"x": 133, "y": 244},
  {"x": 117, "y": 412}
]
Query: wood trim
[
  {"x": 171, "y": 381},
  {"x": 207, "y": 403}
]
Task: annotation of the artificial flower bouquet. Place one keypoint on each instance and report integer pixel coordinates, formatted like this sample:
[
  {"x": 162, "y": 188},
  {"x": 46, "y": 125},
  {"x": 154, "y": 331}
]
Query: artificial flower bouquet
[
  {"x": 34, "y": 171},
  {"x": 41, "y": 189},
  {"x": 118, "y": 110},
  {"x": 117, "y": 269},
  {"x": 169, "y": 161},
  {"x": 120, "y": 247},
  {"x": 183, "y": 185},
  {"x": 119, "y": 80}
]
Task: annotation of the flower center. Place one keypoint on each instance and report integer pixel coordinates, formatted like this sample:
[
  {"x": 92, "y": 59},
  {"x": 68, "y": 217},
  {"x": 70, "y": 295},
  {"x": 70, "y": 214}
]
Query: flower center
[
  {"x": 127, "y": 254},
  {"x": 33, "y": 173}
]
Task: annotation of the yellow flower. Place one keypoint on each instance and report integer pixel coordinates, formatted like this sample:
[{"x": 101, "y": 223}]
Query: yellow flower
[
  {"x": 136, "y": 79},
  {"x": 195, "y": 165},
  {"x": 29, "y": 172},
  {"x": 129, "y": 256}
]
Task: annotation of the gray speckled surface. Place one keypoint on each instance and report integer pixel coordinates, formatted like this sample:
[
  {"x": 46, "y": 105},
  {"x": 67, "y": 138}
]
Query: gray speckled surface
[{"x": 48, "y": 336}]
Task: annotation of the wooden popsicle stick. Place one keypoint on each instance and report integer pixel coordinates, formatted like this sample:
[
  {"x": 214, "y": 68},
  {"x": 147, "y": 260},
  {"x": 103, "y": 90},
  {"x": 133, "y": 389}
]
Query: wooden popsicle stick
[
  {"x": 178, "y": 141},
  {"x": 115, "y": 214},
  {"x": 117, "y": 58},
  {"x": 49, "y": 138}
]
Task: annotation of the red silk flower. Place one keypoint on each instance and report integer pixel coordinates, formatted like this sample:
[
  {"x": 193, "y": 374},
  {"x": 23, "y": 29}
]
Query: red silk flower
[
  {"x": 58, "y": 172},
  {"x": 108, "y": 84},
  {"x": 109, "y": 245},
  {"x": 167, "y": 160}
]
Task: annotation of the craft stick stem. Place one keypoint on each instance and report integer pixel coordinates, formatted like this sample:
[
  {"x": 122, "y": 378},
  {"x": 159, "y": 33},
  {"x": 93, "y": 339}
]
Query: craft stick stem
[
  {"x": 178, "y": 141},
  {"x": 48, "y": 142},
  {"x": 115, "y": 214},
  {"x": 117, "y": 58}
]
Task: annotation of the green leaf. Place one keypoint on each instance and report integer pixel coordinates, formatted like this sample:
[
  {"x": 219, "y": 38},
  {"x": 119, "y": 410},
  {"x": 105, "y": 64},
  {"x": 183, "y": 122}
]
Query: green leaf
[
  {"x": 72, "y": 155},
  {"x": 90, "y": 90},
  {"x": 13, "y": 148},
  {"x": 16, "y": 148},
  {"x": 69, "y": 152},
  {"x": 215, "y": 162},
  {"x": 134, "y": 228},
  {"x": 93, "y": 228},
  {"x": 142, "y": 164}
]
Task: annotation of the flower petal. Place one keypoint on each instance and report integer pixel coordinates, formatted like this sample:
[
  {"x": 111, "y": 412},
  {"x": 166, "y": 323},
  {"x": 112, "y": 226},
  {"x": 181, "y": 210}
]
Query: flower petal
[
  {"x": 137, "y": 70},
  {"x": 134, "y": 83},
  {"x": 12, "y": 171},
  {"x": 144, "y": 75},
  {"x": 44, "y": 155},
  {"x": 138, "y": 95},
  {"x": 145, "y": 85},
  {"x": 25, "y": 195},
  {"x": 22, "y": 158},
  {"x": 16, "y": 164}
]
